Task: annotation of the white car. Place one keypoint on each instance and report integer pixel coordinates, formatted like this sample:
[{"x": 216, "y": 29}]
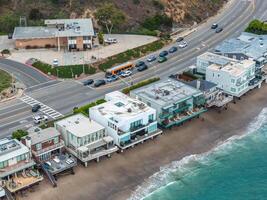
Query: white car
[
  {"x": 182, "y": 45},
  {"x": 126, "y": 73},
  {"x": 55, "y": 62},
  {"x": 111, "y": 41},
  {"x": 38, "y": 119}
]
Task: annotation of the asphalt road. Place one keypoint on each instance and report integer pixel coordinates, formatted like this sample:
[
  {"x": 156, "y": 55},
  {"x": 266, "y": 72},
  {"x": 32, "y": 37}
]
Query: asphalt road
[
  {"x": 64, "y": 96},
  {"x": 25, "y": 74}
]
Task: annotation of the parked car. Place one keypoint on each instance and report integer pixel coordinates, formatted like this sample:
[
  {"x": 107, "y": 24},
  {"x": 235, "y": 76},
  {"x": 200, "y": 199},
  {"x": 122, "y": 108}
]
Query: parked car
[
  {"x": 139, "y": 63},
  {"x": 214, "y": 26},
  {"x": 173, "y": 49},
  {"x": 38, "y": 119},
  {"x": 218, "y": 30},
  {"x": 163, "y": 53},
  {"x": 179, "y": 39},
  {"x": 183, "y": 45},
  {"x": 112, "y": 78},
  {"x": 98, "y": 83},
  {"x": 126, "y": 73},
  {"x": 162, "y": 59},
  {"x": 151, "y": 58},
  {"x": 142, "y": 68},
  {"x": 55, "y": 62},
  {"x": 36, "y": 107},
  {"x": 88, "y": 82},
  {"x": 111, "y": 41}
]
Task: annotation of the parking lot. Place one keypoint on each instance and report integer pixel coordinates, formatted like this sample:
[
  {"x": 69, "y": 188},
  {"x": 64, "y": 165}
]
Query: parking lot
[{"x": 64, "y": 57}]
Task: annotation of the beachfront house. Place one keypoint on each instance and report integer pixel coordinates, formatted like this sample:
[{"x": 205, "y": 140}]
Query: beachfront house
[
  {"x": 44, "y": 143},
  {"x": 246, "y": 46},
  {"x": 213, "y": 95},
  {"x": 128, "y": 120},
  {"x": 206, "y": 59},
  {"x": 85, "y": 138},
  {"x": 233, "y": 78},
  {"x": 17, "y": 166},
  {"x": 174, "y": 101}
]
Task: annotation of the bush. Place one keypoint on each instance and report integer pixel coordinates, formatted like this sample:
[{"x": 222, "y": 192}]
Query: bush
[
  {"x": 157, "y": 22},
  {"x": 5, "y": 51},
  {"x": 257, "y": 27},
  {"x": 68, "y": 71},
  {"x": 85, "y": 109},
  {"x": 131, "y": 54},
  {"x": 100, "y": 38},
  {"x": 140, "y": 84},
  {"x": 19, "y": 134}
]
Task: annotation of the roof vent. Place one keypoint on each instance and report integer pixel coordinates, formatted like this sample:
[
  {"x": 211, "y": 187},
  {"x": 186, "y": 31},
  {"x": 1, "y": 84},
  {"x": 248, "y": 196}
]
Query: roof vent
[
  {"x": 129, "y": 110},
  {"x": 76, "y": 122}
]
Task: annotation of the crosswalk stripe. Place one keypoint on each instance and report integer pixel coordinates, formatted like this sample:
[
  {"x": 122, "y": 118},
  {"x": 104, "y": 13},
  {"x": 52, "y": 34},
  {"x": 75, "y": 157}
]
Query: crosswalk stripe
[{"x": 44, "y": 108}]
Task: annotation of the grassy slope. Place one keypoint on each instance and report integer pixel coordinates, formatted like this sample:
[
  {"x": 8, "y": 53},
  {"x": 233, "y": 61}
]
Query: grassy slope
[{"x": 5, "y": 80}]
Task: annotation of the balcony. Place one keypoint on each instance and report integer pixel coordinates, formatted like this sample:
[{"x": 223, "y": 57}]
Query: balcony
[
  {"x": 177, "y": 120},
  {"x": 136, "y": 128},
  {"x": 164, "y": 115},
  {"x": 49, "y": 148}
]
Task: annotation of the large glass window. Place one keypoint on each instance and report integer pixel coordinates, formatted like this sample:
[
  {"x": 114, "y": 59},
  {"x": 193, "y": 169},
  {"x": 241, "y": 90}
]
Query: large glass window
[
  {"x": 151, "y": 117},
  {"x": 38, "y": 146}
]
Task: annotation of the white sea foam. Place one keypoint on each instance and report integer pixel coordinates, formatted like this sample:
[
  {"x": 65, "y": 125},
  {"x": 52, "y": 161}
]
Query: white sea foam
[{"x": 185, "y": 165}]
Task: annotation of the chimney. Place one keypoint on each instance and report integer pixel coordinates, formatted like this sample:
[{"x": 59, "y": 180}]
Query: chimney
[{"x": 198, "y": 84}]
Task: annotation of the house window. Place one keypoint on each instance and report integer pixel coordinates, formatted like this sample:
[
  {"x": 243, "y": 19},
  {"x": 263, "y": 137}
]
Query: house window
[
  {"x": 233, "y": 80},
  {"x": 151, "y": 117},
  {"x": 55, "y": 140},
  {"x": 233, "y": 90},
  {"x": 38, "y": 146},
  {"x": 3, "y": 164},
  {"x": 136, "y": 123}
]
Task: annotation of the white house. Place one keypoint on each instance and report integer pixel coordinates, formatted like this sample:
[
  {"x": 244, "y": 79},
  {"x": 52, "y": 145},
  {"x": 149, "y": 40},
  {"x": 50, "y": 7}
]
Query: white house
[
  {"x": 84, "y": 138},
  {"x": 16, "y": 165},
  {"x": 128, "y": 120},
  {"x": 233, "y": 78}
]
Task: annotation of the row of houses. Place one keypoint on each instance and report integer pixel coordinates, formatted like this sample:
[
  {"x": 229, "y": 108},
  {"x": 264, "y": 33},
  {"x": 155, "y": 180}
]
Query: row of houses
[{"x": 124, "y": 121}]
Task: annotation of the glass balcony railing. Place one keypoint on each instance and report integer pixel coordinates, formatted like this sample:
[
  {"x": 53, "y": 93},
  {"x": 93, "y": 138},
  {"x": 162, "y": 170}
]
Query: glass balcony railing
[{"x": 174, "y": 111}]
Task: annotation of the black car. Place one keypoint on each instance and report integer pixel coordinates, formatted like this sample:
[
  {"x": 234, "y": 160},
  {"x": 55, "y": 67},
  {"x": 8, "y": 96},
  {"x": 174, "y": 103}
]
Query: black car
[
  {"x": 179, "y": 39},
  {"x": 98, "y": 83},
  {"x": 142, "y": 68},
  {"x": 139, "y": 63},
  {"x": 9, "y": 36},
  {"x": 36, "y": 107},
  {"x": 163, "y": 53},
  {"x": 173, "y": 49},
  {"x": 214, "y": 26},
  {"x": 88, "y": 82},
  {"x": 218, "y": 30}
]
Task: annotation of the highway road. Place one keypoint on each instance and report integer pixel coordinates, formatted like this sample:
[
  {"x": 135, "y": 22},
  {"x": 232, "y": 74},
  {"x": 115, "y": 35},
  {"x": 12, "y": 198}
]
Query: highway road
[{"x": 62, "y": 97}]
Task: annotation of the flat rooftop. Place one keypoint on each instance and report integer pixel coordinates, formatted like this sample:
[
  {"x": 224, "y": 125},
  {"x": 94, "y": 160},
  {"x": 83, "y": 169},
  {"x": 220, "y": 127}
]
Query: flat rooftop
[
  {"x": 120, "y": 107},
  {"x": 214, "y": 58},
  {"x": 233, "y": 68},
  {"x": 11, "y": 148},
  {"x": 202, "y": 85},
  {"x": 56, "y": 28},
  {"x": 79, "y": 125},
  {"x": 167, "y": 92},
  {"x": 42, "y": 135}
]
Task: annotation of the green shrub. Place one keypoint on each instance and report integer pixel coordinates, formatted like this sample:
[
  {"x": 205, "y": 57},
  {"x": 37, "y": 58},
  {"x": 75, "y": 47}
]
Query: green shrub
[
  {"x": 85, "y": 109},
  {"x": 131, "y": 54},
  {"x": 258, "y": 27},
  {"x": 5, "y": 51},
  {"x": 140, "y": 84},
  {"x": 19, "y": 134}
]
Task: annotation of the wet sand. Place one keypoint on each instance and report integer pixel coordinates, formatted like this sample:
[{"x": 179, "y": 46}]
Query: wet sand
[{"x": 116, "y": 178}]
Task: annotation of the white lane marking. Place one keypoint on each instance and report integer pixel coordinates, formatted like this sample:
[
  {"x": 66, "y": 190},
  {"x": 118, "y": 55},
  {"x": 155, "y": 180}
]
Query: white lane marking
[{"x": 44, "y": 108}]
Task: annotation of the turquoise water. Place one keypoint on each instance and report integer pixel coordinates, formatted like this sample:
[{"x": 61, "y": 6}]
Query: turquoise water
[{"x": 235, "y": 170}]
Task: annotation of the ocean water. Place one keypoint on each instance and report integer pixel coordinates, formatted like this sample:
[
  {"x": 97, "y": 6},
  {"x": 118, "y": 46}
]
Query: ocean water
[{"x": 235, "y": 170}]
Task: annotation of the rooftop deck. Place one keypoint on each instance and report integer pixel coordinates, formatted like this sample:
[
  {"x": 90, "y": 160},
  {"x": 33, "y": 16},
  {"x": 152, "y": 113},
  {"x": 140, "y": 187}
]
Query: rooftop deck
[{"x": 61, "y": 163}]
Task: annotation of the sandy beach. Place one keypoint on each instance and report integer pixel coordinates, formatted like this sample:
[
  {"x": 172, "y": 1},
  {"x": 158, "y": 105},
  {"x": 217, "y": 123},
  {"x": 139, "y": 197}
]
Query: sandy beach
[{"x": 116, "y": 178}]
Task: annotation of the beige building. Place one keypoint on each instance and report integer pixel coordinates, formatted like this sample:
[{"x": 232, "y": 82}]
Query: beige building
[{"x": 73, "y": 34}]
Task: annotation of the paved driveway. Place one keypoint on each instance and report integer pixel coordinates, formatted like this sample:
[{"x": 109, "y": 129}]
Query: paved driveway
[
  {"x": 6, "y": 43},
  {"x": 125, "y": 42}
]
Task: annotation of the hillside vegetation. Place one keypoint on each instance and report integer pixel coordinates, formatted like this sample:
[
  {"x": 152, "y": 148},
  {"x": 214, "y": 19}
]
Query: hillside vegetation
[{"x": 141, "y": 16}]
